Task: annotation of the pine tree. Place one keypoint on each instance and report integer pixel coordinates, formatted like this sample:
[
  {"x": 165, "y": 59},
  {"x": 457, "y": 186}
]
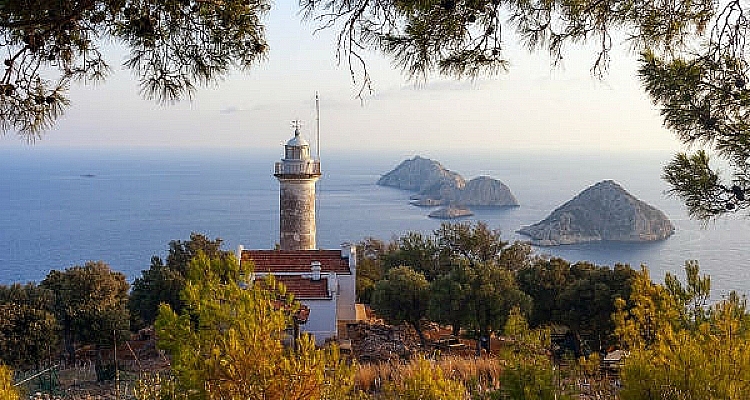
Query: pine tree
[{"x": 228, "y": 341}]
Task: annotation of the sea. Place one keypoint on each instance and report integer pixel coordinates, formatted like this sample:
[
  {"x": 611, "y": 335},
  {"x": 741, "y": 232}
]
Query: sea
[{"x": 63, "y": 207}]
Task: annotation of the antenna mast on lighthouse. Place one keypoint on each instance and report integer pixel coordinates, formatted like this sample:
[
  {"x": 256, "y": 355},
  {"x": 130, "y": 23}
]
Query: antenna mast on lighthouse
[{"x": 317, "y": 121}]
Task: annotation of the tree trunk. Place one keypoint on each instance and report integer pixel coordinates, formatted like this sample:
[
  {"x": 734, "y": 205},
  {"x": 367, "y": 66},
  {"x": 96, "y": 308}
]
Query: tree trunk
[
  {"x": 418, "y": 327},
  {"x": 68, "y": 343},
  {"x": 422, "y": 339}
]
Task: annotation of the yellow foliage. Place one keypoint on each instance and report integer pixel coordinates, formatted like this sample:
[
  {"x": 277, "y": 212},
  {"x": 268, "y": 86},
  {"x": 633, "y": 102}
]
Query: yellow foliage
[
  {"x": 7, "y": 390},
  {"x": 422, "y": 380},
  {"x": 678, "y": 348}
]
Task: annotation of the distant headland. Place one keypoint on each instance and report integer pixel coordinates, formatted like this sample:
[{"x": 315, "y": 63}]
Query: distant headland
[
  {"x": 437, "y": 186},
  {"x": 603, "y": 212}
]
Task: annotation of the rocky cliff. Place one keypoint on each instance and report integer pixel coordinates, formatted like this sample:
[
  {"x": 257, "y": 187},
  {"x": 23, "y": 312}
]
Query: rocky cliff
[
  {"x": 436, "y": 185},
  {"x": 603, "y": 212}
]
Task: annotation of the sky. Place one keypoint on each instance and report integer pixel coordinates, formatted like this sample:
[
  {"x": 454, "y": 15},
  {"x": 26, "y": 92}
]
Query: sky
[{"x": 533, "y": 106}]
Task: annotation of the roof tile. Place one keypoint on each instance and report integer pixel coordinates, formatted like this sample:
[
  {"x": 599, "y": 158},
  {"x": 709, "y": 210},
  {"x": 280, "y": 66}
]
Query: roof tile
[
  {"x": 275, "y": 261},
  {"x": 305, "y": 288}
]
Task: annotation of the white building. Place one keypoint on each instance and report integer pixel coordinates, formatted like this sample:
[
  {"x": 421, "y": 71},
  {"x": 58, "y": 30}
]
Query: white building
[{"x": 322, "y": 280}]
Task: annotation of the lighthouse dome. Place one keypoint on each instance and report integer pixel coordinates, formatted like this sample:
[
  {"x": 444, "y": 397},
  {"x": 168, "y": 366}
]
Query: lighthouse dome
[{"x": 297, "y": 141}]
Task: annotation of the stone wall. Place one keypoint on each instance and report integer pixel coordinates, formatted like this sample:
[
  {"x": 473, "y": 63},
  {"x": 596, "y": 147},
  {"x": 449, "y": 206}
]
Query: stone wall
[{"x": 297, "y": 214}]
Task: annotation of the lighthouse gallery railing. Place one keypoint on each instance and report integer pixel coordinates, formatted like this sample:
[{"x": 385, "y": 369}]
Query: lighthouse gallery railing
[{"x": 307, "y": 167}]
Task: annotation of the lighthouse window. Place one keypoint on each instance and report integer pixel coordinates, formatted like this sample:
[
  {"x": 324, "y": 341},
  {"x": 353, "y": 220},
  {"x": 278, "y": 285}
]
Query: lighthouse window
[{"x": 293, "y": 153}]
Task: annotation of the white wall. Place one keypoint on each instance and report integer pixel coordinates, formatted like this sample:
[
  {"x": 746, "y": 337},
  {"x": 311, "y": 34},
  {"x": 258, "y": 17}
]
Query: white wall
[
  {"x": 347, "y": 285},
  {"x": 347, "y": 298},
  {"x": 322, "y": 320}
]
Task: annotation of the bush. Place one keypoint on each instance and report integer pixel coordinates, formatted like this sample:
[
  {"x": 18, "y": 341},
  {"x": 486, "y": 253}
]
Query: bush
[
  {"x": 105, "y": 372},
  {"x": 530, "y": 378}
]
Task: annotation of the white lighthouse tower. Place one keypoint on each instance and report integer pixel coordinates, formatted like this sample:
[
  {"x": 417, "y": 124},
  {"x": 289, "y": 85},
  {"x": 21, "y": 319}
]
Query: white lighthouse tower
[{"x": 297, "y": 173}]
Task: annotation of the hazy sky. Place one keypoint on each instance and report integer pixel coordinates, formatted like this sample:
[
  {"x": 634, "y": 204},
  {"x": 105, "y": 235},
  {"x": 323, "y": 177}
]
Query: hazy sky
[{"x": 532, "y": 106}]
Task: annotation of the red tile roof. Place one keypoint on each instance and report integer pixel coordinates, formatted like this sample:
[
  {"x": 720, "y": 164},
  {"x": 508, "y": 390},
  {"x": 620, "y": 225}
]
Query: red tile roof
[
  {"x": 305, "y": 288},
  {"x": 297, "y": 261}
]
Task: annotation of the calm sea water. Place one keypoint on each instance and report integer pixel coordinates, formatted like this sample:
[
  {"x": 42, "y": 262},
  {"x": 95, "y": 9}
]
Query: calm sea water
[{"x": 62, "y": 208}]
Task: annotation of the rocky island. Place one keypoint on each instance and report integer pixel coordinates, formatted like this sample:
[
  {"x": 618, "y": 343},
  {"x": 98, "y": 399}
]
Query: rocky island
[
  {"x": 451, "y": 212},
  {"x": 603, "y": 212},
  {"x": 421, "y": 175},
  {"x": 437, "y": 186}
]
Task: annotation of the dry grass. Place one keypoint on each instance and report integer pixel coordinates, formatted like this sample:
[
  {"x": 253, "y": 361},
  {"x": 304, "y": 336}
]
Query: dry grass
[{"x": 476, "y": 374}]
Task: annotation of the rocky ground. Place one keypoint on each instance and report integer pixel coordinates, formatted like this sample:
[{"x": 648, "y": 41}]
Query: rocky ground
[
  {"x": 371, "y": 342},
  {"x": 78, "y": 382}
]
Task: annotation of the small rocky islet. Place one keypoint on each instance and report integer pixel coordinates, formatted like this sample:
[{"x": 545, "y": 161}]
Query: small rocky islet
[
  {"x": 438, "y": 186},
  {"x": 602, "y": 212},
  {"x": 451, "y": 212}
]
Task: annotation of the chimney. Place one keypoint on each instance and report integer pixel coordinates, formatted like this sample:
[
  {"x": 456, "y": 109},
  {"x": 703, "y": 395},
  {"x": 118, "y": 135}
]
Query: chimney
[
  {"x": 238, "y": 254},
  {"x": 315, "y": 267},
  {"x": 349, "y": 251}
]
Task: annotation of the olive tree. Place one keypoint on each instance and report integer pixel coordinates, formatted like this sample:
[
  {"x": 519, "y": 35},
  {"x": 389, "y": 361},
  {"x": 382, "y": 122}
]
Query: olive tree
[
  {"x": 28, "y": 327},
  {"x": 90, "y": 304},
  {"x": 163, "y": 281},
  {"x": 403, "y": 296}
]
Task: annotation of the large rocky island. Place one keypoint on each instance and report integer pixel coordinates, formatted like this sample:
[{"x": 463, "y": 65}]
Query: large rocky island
[
  {"x": 437, "y": 186},
  {"x": 603, "y": 212}
]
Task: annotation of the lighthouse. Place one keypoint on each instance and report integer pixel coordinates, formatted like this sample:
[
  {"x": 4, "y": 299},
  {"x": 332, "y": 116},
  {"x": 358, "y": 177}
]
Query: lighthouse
[
  {"x": 297, "y": 173},
  {"x": 324, "y": 281}
]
